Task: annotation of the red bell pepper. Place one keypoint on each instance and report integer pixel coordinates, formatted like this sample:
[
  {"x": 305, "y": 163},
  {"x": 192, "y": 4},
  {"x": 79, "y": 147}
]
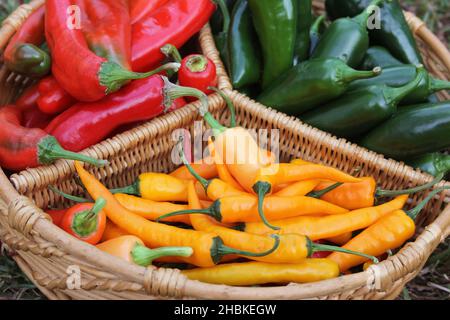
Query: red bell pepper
[
  {"x": 22, "y": 148},
  {"x": 53, "y": 99},
  {"x": 23, "y": 54},
  {"x": 86, "y": 124},
  {"x": 140, "y": 8},
  {"x": 175, "y": 22},
  {"x": 83, "y": 74},
  {"x": 86, "y": 221}
]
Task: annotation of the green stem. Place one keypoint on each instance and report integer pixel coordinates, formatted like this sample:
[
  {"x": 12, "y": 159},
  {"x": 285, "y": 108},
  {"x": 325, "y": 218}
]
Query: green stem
[
  {"x": 314, "y": 247},
  {"x": 50, "y": 150},
  {"x": 229, "y": 103},
  {"x": 395, "y": 95},
  {"x": 415, "y": 212},
  {"x": 68, "y": 196},
  {"x": 438, "y": 85},
  {"x": 170, "y": 51},
  {"x": 321, "y": 193},
  {"x": 395, "y": 193},
  {"x": 213, "y": 211},
  {"x": 364, "y": 16},
  {"x": 197, "y": 63},
  {"x": 350, "y": 74},
  {"x": 113, "y": 76},
  {"x": 225, "y": 14},
  {"x": 224, "y": 250},
  {"x": 85, "y": 222},
  {"x": 262, "y": 189},
  {"x": 133, "y": 189},
  {"x": 144, "y": 256},
  {"x": 315, "y": 28},
  {"x": 205, "y": 183}
]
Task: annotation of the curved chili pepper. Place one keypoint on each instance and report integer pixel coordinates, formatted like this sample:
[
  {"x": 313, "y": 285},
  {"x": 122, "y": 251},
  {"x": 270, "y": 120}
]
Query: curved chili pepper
[
  {"x": 304, "y": 21},
  {"x": 23, "y": 54},
  {"x": 175, "y": 22},
  {"x": 378, "y": 56},
  {"x": 206, "y": 169},
  {"x": 310, "y": 84},
  {"x": 86, "y": 221},
  {"x": 432, "y": 163},
  {"x": 199, "y": 72},
  {"x": 347, "y": 38},
  {"x": 221, "y": 38},
  {"x": 257, "y": 273},
  {"x": 53, "y": 98},
  {"x": 360, "y": 111},
  {"x": 141, "y": 8},
  {"x": 85, "y": 124},
  {"x": 91, "y": 77},
  {"x": 23, "y": 148}
]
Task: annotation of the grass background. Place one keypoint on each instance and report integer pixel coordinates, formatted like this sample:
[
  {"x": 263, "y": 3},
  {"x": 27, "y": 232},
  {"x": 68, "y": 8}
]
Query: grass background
[{"x": 432, "y": 283}]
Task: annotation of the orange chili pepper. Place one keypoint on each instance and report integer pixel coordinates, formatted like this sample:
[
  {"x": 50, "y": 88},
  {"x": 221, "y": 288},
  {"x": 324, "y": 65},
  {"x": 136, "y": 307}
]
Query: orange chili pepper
[
  {"x": 112, "y": 231},
  {"x": 206, "y": 169}
]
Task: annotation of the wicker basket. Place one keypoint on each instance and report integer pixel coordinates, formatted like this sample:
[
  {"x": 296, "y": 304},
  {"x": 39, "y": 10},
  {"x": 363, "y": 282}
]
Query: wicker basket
[{"x": 45, "y": 253}]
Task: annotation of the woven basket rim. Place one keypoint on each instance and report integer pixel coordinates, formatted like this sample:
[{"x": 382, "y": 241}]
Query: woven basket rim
[{"x": 193, "y": 288}]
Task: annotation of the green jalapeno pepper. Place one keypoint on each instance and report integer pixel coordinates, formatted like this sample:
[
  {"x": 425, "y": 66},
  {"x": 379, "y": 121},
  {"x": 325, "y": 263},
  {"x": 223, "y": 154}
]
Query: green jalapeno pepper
[
  {"x": 394, "y": 34},
  {"x": 413, "y": 131},
  {"x": 243, "y": 46},
  {"x": 400, "y": 75},
  {"x": 378, "y": 56},
  {"x": 347, "y": 38},
  {"x": 432, "y": 163},
  {"x": 221, "y": 38},
  {"x": 217, "y": 18},
  {"x": 310, "y": 84},
  {"x": 358, "y": 112},
  {"x": 302, "y": 43},
  {"x": 276, "y": 26}
]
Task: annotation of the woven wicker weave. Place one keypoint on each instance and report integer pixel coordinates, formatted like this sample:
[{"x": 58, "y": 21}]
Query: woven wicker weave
[{"x": 44, "y": 252}]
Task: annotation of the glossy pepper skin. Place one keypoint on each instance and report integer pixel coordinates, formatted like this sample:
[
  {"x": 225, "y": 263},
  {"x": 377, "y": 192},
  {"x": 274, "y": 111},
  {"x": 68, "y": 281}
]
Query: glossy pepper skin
[
  {"x": 400, "y": 75},
  {"x": 140, "y": 8},
  {"x": 23, "y": 54},
  {"x": 413, "y": 131},
  {"x": 315, "y": 33},
  {"x": 23, "y": 148},
  {"x": 377, "y": 56},
  {"x": 395, "y": 34},
  {"x": 243, "y": 48},
  {"x": 310, "y": 84},
  {"x": 360, "y": 111},
  {"x": 276, "y": 25},
  {"x": 85, "y": 124},
  {"x": 346, "y": 38},
  {"x": 53, "y": 99},
  {"x": 304, "y": 21},
  {"x": 199, "y": 72},
  {"x": 175, "y": 22},
  {"x": 432, "y": 163},
  {"x": 32, "y": 117}
]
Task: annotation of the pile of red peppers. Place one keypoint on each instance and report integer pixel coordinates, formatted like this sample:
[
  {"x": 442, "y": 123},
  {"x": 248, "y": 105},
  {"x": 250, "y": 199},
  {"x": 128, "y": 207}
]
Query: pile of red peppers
[{"x": 99, "y": 66}]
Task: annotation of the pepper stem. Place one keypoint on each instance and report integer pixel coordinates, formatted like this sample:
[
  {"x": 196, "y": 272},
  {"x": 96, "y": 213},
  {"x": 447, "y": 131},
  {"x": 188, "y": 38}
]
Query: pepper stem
[
  {"x": 224, "y": 250},
  {"x": 315, "y": 28},
  {"x": 133, "y": 189},
  {"x": 395, "y": 95},
  {"x": 113, "y": 76},
  {"x": 197, "y": 63},
  {"x": 173, "y": 91},
  {"x": 225, "y": 15},
  {"x": 262, "y": 189},
  {"x": 350, "y": 74},
  {"x": 170, "y": 51},
  {"x": 68, "y": 196},
  {"x": 438, "y": 85},
  {"x": 213, "y": 211},
  {"x": 314, "y": 247},
  {"x": 50, "y": 150},
  {"x": 413, "y": 213},
  {"x": 85, "y": 222},
  {"x": 364, "y": 16},
  {"x": 144, "y": 256},
  {"x": 394, "y": 193},
  {"x": 321, "y": 193},
  {"x": 205, "y": 183},
  {"x": 229, "y": 103}
]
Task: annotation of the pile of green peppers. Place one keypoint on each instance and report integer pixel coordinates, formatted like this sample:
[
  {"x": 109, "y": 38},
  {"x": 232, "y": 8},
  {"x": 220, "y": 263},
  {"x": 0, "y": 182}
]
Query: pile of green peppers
[{"x": 357, "y": 75}]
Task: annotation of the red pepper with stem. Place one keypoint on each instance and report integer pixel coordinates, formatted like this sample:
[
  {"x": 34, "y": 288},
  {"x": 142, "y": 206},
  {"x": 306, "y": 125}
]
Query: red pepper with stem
[
  {"x": 86, "y": 124},
  {"x": 141, "y": 8},
  {"x": 86, "y": 221},
  {"x": 175, "y": 22},
  {"x": 53, "y": 99},
  {"x": 22, "y": 148},
  {"x": 23, "y": 55},
  {"x": 85, "y": 76},
  {"x": 197, "y": 71}
]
